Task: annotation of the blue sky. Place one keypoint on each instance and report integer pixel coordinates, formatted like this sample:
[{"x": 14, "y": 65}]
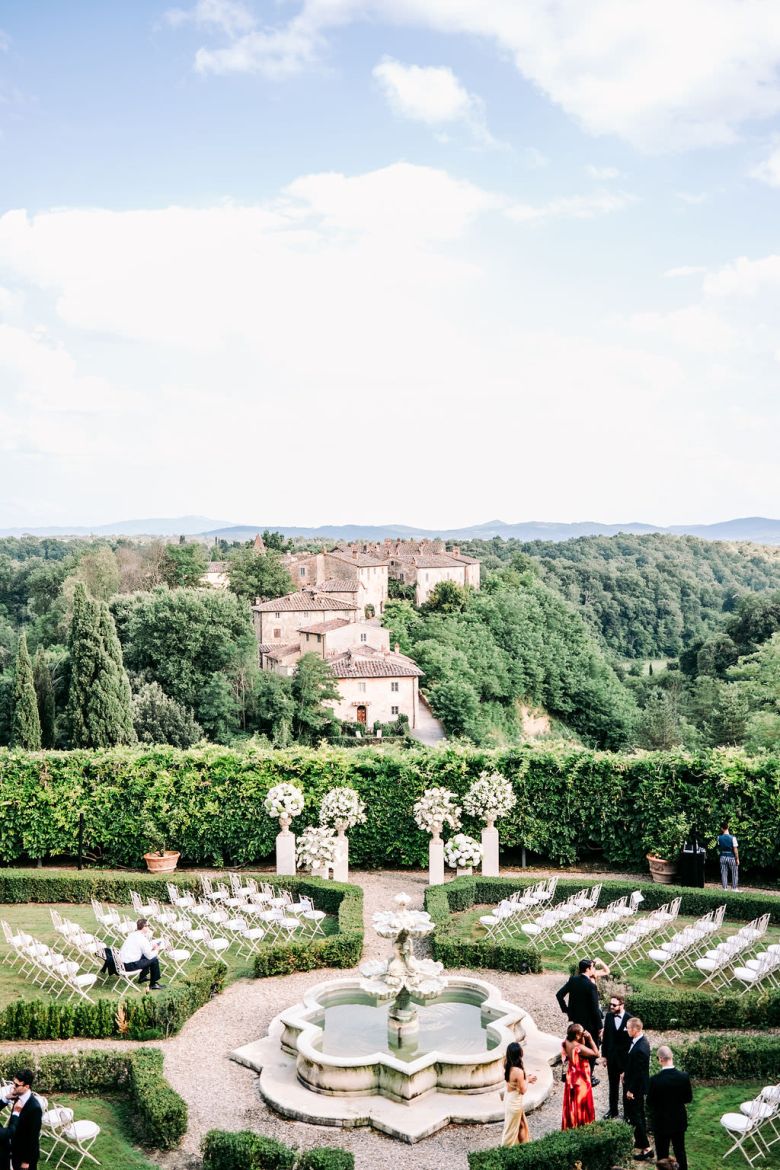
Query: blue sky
[{"x": 424, "y": 260}]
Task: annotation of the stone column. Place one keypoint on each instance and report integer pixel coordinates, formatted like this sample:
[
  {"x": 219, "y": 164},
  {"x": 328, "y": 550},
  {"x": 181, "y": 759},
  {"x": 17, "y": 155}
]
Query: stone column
[
  {"x": 490, "y": 849},
  {"x": 285, "y": 848},
  {"x": 341, "y": 863},
  {"x": 436, "y": 858}
]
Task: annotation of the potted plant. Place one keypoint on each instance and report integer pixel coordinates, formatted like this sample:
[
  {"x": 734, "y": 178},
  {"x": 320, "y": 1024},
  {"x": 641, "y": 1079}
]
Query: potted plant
[
  {"x": 435, "y": 808},
  {"x": 342, "y": 809},
  {"x": 159, "y": 859},
  {"x": 284, "y": 801},
  {"x": 490, "y": 797},
  {"x": 317, "y": 850},
  {"x": 462, "y": 853},
  {"x": 665, "y": 842}
]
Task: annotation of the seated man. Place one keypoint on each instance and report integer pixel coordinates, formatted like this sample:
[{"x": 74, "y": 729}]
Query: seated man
[{"x": 139, "y": 953}]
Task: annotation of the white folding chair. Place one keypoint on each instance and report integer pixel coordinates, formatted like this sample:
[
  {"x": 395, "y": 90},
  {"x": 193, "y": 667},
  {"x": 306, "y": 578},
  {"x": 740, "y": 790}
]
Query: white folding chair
[
  {"x": 53, "y": 1121},
  {"x": 79, "y": 1137},
  {"x": 745, "y": 1128}
]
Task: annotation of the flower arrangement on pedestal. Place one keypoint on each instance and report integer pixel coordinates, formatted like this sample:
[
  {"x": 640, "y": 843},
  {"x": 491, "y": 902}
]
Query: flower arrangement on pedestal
[
  {"x": 284, "y": 801},
  {"x": 342, "y": 808},
  {"x": 462, "y": 852},
  {"x": 435, "y": 808},
  {"x": 490, "y": 797},
  {"x": 316, "y": 848}
]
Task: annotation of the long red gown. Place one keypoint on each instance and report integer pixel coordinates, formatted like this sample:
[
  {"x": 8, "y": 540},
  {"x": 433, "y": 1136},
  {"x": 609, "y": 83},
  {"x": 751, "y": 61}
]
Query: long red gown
[{"x": 578, "y": 1108}]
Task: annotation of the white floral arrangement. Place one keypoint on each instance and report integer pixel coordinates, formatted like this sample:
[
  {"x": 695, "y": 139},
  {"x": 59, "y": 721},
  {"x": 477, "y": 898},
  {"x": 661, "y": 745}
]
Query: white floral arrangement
[
  {"x": 490, "y": 796},
  {"x": 316, "y": 847},
  {"x": 284, "y": 800},
  {"x": 342, "y": 806},
  {"x": 462, "y": 851},
  {"x": 435, "y": 808}
]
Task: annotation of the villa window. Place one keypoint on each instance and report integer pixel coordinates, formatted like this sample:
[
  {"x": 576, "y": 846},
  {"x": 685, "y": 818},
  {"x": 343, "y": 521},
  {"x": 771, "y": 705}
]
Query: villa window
[
  {"x": 363, "y": 637},
  {"x": 302, "y": 571},
  {"x": 393, "y": 710},
  {"x": 277, "y": 633},
  {"x": 394, "y": 686},
  {"x": 277, "y": 615},
  {"x": 362, "y": 688}
]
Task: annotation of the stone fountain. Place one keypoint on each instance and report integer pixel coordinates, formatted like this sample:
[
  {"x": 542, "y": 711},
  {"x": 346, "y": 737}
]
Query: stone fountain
[{"x": 402, "y": 1047}]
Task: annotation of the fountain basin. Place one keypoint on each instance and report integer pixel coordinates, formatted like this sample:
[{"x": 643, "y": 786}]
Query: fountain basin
[{"x": 407, "y": 1073}]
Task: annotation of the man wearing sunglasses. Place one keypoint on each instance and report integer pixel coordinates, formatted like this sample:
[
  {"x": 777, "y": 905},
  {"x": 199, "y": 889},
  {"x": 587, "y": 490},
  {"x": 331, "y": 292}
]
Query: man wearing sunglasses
[
  {"x": 615, "y": 1043},
  {"x": 24, "y": 1127}
]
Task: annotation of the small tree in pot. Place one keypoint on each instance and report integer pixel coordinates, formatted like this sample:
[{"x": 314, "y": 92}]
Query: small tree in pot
[
  {"x": 158, "y": 859},
  {"x": 664, "y": 842}
]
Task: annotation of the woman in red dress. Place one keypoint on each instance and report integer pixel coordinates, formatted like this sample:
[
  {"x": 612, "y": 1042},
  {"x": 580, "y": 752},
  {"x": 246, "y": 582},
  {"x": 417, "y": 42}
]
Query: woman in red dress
[{"x": 578, "y": 1108}]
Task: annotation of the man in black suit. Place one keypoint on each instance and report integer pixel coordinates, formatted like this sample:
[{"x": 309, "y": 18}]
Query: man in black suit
[
  {"x": 583, "y": 1004},
  {"x": 670, "y": 1091},
  {"x": 636, "y": 1081},
  {"x": 615, "y": 1042},
  {"x": 24, "y": 1127}
]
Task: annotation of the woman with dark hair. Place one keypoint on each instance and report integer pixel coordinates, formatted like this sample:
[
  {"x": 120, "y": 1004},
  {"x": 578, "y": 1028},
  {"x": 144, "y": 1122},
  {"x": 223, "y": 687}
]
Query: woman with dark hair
[
  {"x": 517, "y": 1081},
  {"x": 578, "y": 1107}
]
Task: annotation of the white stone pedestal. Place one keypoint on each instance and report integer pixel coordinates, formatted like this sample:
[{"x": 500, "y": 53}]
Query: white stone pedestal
[
  {"x": 490, "y": 850},
  {"x": 341, "y": 863},
  {"x": 321, "y": 871},
  {"x": 285, "y": 852},
  {"x": 436, "y": 861}
]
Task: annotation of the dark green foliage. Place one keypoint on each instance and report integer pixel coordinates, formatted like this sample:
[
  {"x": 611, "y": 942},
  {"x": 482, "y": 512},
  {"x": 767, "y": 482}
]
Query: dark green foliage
[
  {"x": 258, "y": 576},
  {"x": 99, "y": 700},
  {"x": 44, "y": 694},
  {"x": 446, "y": 597},
  {"x": 159, "y": 1113},
  {"x": 757, "y": 618},
  {"x": 730, "y": 1058},
  {"x": 26, "y": 724},
  {"x": 183, "y": 565},
  {"x": 159, "y": 719},
  {"x": 599, "y": 1146},
  {"x": 326, "y": 1158},
  {"x": 312, "y": 684},
  {"x": 245, "y": 1151},
  {"x": 442, "y": 902},
  {"x": 341, "y": 950},
  {"x": 209, "y": 800},
  {"x": 670, "y": 1008}
]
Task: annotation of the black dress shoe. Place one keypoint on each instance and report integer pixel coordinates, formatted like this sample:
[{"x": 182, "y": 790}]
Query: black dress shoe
[
  {"x": 648, "y": 1156},
  {"x": 595, "y": 1081},
  {"x": 157, "y": 986},
  {"x": 611, "y": 1116}
]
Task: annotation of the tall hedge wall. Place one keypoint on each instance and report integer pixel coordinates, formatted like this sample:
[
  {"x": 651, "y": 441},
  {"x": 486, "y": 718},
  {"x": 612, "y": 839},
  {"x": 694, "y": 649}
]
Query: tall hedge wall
[{"x": 208, "y": 801}]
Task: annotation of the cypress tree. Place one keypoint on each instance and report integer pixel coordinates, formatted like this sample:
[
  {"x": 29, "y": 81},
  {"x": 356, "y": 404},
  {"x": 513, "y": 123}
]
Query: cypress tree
[
  {"x": 25, "y": 726},
  {"x": 99, "y": 701},
  {"x": 44, "y": 691}
]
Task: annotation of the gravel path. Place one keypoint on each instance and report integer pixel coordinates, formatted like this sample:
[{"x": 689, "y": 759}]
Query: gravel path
[{"x": 221, "y": 1094}]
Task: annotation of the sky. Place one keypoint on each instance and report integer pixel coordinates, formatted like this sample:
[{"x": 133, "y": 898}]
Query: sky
[{"x": 431, "y": 262}]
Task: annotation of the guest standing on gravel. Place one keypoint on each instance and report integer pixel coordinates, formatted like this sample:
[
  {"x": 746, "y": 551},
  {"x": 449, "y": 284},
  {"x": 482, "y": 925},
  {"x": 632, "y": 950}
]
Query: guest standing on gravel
[
  {"x": 517, "y": 1081},
  {"x": 728, "y": 851}
]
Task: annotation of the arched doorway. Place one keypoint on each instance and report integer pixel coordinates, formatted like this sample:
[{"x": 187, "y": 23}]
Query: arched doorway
[{"x": 362, "y": 714}]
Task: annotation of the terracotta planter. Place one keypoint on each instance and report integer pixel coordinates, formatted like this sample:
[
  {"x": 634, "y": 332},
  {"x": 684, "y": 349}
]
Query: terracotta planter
[
  {"x": 662, "y": 871},
  {"x": 161, "y": 862}
]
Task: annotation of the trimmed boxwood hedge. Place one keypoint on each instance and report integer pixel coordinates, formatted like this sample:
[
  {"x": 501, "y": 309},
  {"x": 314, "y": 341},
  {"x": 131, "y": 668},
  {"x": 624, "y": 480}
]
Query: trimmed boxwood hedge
[
  {"x": 208, "y": 801},
  {"x": 336, "y": 950},
  {"x": 245, "y": 1150},
  {"x": 159, "y": 1113},
  {"x": 731, "y": 1058},
  {"x": 599, "y": 1146},
  {"x": 660, "y": 1007}
]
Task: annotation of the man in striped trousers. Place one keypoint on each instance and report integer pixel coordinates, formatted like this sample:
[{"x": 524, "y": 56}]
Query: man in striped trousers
[{"x": 729, "y": 857}]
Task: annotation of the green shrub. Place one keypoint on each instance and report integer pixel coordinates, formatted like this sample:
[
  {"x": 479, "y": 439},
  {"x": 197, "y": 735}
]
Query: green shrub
[
  {"x": 159, "y": 1113},
  {"x": 730, "y": 1058},
  {"x": 597, "y": 1147},
  {"x": 210, "y": 799},
  {"x": 670, "y": 1008},
  {"x": 245, "y": 1151},
  {"x": 146, "y": 1017},
  {"x": 326, "y": 1158},
  {"x": 337, "y": 950}
]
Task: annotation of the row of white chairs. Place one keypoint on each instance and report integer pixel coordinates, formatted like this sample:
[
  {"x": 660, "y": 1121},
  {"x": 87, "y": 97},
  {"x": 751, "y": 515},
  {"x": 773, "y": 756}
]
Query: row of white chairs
[
  {"x": 596, "y": 928},
  {"x": 756, "y": 1128},
  {"x": 626, "y": 944},
  {"x": 716, "y": 963},
  {"x": 497, "y": 921},
  {"x": 681, "y": 951},
  {"x": 59, "y": 1128},
  {"x": 46, "y": 967},
  {"x": 549, "y": 926}
]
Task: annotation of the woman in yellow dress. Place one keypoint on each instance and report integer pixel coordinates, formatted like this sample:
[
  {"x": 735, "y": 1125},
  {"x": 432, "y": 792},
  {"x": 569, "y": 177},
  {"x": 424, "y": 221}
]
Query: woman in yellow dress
[{"x": 517, "y": 1082}]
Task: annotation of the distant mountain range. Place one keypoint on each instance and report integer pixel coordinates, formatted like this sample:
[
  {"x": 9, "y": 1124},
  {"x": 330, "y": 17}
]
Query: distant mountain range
[{"x": 757, "y": 529}]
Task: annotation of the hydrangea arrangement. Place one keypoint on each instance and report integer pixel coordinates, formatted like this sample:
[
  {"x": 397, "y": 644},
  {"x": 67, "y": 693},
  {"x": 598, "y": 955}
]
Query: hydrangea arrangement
[
  {"x": 342, "y": 807},
  {"x": 490, "y": 796},
  {"x": 316, "y": 847},
  {"x": 284, "y": 800},
  {"x": 462, "y": 851},
  {"x": 435, "y": 808}
]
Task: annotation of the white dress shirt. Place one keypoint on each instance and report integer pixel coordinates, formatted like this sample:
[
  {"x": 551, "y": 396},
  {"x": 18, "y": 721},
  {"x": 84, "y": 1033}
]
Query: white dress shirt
[{"x": 137, "y": 945}]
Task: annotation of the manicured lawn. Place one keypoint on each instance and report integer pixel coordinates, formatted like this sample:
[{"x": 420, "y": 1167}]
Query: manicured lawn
[
  {"x": 707, "y": 1140},
  {"x": 557, "y": 958},
  {"x": 113, "y": 1148},
  {"x": 34, "y": 918}
]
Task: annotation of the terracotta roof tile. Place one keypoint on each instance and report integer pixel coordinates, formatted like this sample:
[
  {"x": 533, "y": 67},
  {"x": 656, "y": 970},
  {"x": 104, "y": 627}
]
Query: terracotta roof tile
[
  {"x": 301, "y": 603},
  {"x": 325, "y": 627},
  {"x": 370, "y": 663},
  {"x": 338, "y": 585},
  {"x": 361, "y": 561}
]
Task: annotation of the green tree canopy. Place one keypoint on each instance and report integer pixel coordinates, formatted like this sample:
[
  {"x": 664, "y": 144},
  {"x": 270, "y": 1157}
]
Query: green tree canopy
[
  {"x": 26, "y": 725},
  {"x": 44, "y": 693},
  {"x": 258, "y": 575},
  {"x": 99, "y": 710},
  {"x": 312, "y": 685},
  {"x": 183, "y": 564},
  {"x": 160, "y": 719}
]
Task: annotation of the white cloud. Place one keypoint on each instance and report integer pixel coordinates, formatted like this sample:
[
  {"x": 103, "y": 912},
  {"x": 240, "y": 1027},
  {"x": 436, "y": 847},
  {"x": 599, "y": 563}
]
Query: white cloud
[
  {"x": 226, "y": 16},
  {"x": 745, "y": 278},
  {"x": 603, "y": 174},
  {"x": 694, "y": 198},
  {"x": 768, "y": 171},
  {"x": 573, "y": 206},
  {"x": 659, "y": 74},
  {"x": 685, "y": 270},
  {"x": 431, "y": 94},
  {"x": 692, "y": 327}
]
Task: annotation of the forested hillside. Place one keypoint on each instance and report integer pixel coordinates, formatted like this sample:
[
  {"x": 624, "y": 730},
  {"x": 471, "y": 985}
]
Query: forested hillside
[
  {"x": 514, "y": 640},
  {"x": 648, "y": 596}
]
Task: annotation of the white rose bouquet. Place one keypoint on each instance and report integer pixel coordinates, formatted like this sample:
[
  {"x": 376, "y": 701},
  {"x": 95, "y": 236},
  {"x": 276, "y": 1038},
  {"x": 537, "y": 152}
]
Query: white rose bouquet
[
  {"x": 437, "y": 807},
  {"x": 490, "y": 796},
  {"x": 342, "y": 806},
  {"x": 462, "y": 851},
  {"x": 284, "y": 800},
  {"x": 316, "y": 847}
]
